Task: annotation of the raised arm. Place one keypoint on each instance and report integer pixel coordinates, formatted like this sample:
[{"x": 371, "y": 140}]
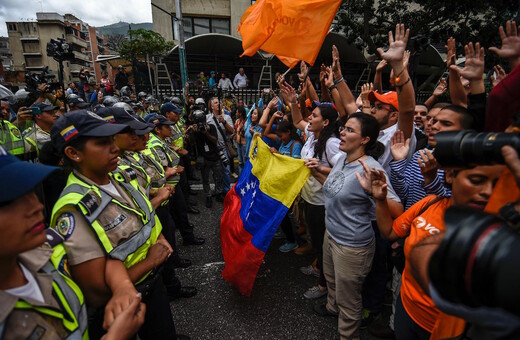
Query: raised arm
[
  {"x": 405, "y": 92},
  {"x": 383, "y": 209},
  {"x": 510, "y": 49},
  {"x": 347, "y": 98},
  {"x": 265, "y": 115},
  {"x": 329, "y": 82},
  {"x": 457, "y": 93},
  {"x": 297, "y": 118},
  {"x": 378, "y": 82},
  {"x": 268, "y": 129},
  {"x": 437, "y": 93}
]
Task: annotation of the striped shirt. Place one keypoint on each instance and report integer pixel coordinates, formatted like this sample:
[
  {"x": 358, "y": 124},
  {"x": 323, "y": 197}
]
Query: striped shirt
[{"x": 408, "y": 182}]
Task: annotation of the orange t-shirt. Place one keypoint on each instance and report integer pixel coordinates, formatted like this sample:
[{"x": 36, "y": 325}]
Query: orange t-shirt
[{"x": 416, "y": 228}]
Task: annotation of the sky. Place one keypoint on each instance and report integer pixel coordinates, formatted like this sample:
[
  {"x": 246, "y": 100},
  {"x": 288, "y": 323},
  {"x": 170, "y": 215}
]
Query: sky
[{"x": 95, "y": 13}]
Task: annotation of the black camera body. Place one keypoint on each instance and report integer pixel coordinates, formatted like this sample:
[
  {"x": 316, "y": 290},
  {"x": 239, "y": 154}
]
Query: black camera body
[
  {"x": 467, "y": 148},
  {"x": 59, "y": 50},
  {"x": 477, "y": 263},
  {"x": 32, "y": 80}
]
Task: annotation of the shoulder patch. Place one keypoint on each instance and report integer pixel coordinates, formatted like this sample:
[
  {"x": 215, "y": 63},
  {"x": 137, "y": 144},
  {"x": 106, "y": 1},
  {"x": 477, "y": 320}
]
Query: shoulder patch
[
  {"x": 15, "y": 132},
  {"x": 65, "y": 225},
  {"x": 90, "y": 202}
]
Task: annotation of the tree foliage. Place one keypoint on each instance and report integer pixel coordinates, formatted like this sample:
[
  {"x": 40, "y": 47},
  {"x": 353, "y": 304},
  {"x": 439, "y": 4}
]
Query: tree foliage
[
  {"x": 366, "y": 23},
  {"x": 142, "y": 42},
  {"x": 114, "y": 41}
]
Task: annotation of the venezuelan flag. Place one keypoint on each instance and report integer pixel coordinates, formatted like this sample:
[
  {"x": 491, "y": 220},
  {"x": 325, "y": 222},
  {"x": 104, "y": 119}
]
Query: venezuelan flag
[
  {"x": 69, "y": 132},
  {"x": 253, "y": 210}
]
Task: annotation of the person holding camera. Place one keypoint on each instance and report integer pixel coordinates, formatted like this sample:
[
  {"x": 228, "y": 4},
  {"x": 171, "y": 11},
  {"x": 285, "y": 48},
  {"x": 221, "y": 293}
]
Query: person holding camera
[
  {"x": 208, "y": 155},
  {"x": 44, "y": 117},
  {"x": 224, "y": 125}
]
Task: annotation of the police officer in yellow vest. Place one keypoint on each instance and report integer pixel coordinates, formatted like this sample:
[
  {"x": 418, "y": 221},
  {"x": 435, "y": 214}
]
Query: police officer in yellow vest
[
  {"x": 169, "y": 158},
  {"x": 10, "y": 137},
  {"x": 105, "y": 216},
  {"x": 44, "y": 117},
  {"x": 127, "y": 141},
  {"x": 36, "y": 300}
]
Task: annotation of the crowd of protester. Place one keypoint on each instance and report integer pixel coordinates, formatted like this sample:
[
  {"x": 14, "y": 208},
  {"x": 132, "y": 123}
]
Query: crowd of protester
[{"x": 103, "y": 178}]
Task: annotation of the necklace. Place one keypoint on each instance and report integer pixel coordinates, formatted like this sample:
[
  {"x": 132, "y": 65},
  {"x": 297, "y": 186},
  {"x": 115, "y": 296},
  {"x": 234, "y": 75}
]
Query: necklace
[{"x": 352, "y": 161}]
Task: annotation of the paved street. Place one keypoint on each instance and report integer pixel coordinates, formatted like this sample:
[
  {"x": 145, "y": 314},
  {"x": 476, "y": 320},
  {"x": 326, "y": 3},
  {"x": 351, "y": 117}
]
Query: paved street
[{"x": 276, "y": 308}]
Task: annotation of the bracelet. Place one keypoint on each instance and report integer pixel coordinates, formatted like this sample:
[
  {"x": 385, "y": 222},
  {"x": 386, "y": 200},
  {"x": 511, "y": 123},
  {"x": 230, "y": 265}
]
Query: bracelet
[
  {"x": 336, "y": 82},
  {"x": 403, "y": 84},
  {"x": 332, "y": 87},
  {"x": 397, "y": 75}
]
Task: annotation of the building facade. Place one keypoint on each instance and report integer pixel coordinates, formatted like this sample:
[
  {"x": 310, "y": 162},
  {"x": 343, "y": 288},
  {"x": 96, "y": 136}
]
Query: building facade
[
  {"x": 28, "y": 45},
  {"x": 199, "y": 17}
]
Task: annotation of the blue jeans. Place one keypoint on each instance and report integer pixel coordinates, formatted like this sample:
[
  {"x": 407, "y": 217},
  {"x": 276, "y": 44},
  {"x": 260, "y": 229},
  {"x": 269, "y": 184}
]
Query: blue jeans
[
  {"x": 226, "y": 174},
  {"x": 241, "y": 148}
]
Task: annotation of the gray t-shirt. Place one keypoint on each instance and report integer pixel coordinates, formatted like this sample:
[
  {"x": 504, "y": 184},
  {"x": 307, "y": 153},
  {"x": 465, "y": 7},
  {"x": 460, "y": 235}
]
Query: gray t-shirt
[{"x": 348, "y": 209}]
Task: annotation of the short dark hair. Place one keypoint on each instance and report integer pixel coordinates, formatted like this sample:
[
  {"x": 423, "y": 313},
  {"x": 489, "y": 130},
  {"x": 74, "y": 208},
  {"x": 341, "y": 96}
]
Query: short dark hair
[{"x": 466, "y": 119}]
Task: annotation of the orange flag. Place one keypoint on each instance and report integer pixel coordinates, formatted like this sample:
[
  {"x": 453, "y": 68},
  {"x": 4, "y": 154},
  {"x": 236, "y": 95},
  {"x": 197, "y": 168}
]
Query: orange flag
[{"x": 292, "y": 30}]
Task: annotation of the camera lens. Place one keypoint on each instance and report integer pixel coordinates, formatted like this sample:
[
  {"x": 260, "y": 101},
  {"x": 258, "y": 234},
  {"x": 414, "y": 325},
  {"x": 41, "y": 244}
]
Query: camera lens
[
  {"x": 470, "y": 148},
  {"x": 477, "y": 262}
]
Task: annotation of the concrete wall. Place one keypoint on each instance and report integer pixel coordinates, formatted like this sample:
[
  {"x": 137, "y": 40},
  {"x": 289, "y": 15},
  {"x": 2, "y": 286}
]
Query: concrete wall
[{"x": 228, "y": 9}]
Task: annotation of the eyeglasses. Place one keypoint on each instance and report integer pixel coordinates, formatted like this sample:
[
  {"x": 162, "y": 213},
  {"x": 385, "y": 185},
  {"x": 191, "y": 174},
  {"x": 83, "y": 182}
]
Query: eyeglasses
[{"x": 348, "y": 129}]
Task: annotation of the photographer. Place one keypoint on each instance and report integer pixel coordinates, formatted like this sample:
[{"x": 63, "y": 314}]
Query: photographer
[
  {"x": 44, "y": 117},
  {"x": 224, "y": 126},
  {"x": 208, "y": 158}
]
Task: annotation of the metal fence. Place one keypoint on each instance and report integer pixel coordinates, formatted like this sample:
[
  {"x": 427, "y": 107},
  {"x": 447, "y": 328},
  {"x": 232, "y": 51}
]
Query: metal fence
[{"x": 253, "y": 95}]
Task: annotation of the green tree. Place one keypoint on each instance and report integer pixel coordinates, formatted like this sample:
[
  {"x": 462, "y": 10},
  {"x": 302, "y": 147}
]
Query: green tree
[
  {"x": 366, "y": 23},
  {"x": 143, "y": 42}
]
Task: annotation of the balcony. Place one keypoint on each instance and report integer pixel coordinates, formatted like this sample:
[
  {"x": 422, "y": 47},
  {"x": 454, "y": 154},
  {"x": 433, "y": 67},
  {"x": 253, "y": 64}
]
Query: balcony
[
  {"x": 30, "y": 38},
  {"x": 80, "y": 56},
  {"x": 72, "y": 39}
]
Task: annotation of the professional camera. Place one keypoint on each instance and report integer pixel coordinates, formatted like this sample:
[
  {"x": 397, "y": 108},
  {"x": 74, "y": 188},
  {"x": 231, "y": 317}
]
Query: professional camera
[
  {"x": 59, "y": 50},
  {"x": 478, "y": 261},
  {"x": 32, "y": 80},
  {"x": 468, "y": 148},
  {"x": 223, "y": 158},
  {"x": 199, "y": 118}
]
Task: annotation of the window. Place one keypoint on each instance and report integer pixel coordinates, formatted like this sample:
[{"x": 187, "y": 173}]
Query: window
[
  {"x": 220, "y": 26},
  {"x": 188, "y": 28},
  {"x": 194, "y": 26},
  {"x": 11, "y": 27},
  {"x": 201, "y": 25}
]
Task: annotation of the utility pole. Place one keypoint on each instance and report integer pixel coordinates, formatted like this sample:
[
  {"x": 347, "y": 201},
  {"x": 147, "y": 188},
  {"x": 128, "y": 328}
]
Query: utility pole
[{"x": 179, "y": 25}]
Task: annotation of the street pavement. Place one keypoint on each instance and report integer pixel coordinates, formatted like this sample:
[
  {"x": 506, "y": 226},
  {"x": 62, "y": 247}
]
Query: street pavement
[{"x": 276, "y": 308}]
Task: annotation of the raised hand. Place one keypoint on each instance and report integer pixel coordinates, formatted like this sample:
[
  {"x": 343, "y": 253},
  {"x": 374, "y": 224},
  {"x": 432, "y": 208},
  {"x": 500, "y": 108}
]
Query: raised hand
[
  {"x": 323, "y": 73},
  {"x": 428, "y": 165},
  {"x": 406, "y": 58},
  {"x": 442, "y": 86},
  {"x": 381, "y": 66},
  {"x": 474, "y": 65},
  {"x": 365, "y": 179},
  {"x": 500, "y": 74},
  {"x": 395, "y": 53},
  {"x": 365, "y": 90},
  {"x": 378, "y": 183},
  {"x": 303, "y": 71},
  {"x": 336, "y": 67},
  {"x": 274, "y": 102},
  {"x": 451, "y": 52},
  {"x": 288, "y": 92},
  {"x": 399, "y": 147},
  {"x": 510, "y": 42},
  {"x": 329, "y": 77}
]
